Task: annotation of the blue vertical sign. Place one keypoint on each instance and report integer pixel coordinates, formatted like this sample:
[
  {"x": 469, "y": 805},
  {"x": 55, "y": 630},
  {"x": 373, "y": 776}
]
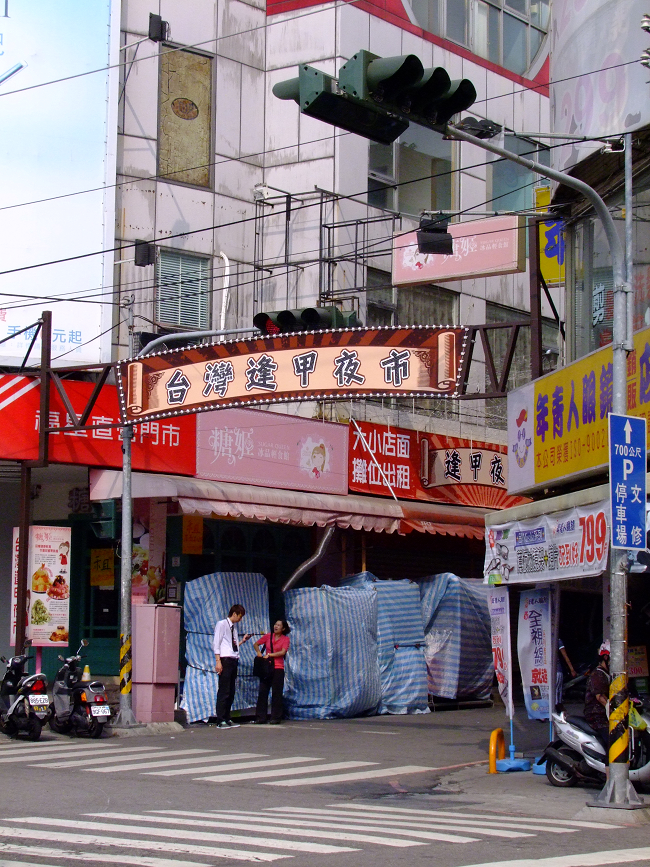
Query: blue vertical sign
[{"x": 627, "y": 480}]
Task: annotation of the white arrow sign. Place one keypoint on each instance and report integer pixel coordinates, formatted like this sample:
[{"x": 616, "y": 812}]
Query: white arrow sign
[{"x": 628, "y": 432}]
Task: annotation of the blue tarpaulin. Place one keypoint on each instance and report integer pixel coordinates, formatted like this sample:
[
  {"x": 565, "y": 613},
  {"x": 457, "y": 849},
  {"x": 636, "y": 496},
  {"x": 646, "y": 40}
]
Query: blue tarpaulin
[
  {"x": 458, "y": 648},
  {"x": 207, "y": 600},
  {"x": 400, "y": 643},
  {"x": 332, "y": 668}
]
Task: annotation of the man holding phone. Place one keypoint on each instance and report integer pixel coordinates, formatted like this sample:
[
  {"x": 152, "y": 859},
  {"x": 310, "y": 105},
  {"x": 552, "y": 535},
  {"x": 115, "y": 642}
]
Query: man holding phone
[{"x": 226, "y": 649}]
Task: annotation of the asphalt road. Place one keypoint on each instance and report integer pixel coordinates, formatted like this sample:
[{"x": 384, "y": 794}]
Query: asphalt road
[{"x": 345, "y": 793}]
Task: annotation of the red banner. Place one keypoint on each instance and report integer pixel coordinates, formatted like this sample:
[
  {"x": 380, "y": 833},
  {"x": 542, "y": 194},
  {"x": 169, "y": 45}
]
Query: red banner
[
  {"x": 424, "y": 466},
  {"x": 158, "y": 446}
]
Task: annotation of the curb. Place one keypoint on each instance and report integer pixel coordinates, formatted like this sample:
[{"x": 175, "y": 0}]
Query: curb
[{"x": 154, "y": 728}]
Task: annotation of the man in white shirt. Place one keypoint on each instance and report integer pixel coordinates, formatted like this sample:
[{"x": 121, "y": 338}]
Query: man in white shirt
[{"x": 226, "y": 649}]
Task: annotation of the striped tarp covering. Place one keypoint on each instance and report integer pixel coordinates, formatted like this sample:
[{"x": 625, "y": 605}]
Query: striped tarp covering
[
  {"x": 332, "y": 669},
  {"x": 401, "y": 643},
  {"x": 208, "y": 600},
  {"x": 458, "y": 642}
]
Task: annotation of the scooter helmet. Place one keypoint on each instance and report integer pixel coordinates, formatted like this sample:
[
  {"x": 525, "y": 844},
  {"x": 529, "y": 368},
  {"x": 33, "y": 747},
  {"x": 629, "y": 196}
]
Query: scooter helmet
[{"x": 604, "y": 649}]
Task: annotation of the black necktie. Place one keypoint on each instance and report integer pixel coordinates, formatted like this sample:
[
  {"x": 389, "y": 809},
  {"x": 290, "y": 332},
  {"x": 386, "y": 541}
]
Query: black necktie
[{"x": 232, "y": 637}]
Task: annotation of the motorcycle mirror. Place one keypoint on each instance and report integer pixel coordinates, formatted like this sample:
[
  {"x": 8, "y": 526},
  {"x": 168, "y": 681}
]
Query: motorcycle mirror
[
  {"x": 61, "y": 658},
  {"x": 3, "y": 659},
  {"x": 28, "y": 642},
  {"x": 84, "y": 642}
]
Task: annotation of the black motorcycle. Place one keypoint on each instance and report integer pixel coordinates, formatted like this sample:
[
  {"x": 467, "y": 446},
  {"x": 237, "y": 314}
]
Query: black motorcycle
[
  {"x": 77, "y": 707},
  {"x": 23, "y": 698}
]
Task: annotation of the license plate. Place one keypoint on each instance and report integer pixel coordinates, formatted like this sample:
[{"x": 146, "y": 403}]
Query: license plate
[
  {"x": 39, "y": 701},
  {"x": 100, "y": 710}
]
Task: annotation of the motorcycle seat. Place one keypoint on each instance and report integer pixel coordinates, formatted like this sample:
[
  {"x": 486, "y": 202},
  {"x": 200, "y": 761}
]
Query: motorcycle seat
[{"x": 581, "y": 723}]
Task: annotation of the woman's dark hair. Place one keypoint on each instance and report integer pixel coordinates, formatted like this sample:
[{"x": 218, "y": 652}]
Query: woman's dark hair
[
  {"x": 286, "y": 629},
  {"x": 236, "y": 609}
]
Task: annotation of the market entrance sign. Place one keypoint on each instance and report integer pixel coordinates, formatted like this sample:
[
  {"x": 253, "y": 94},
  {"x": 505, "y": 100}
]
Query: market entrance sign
[{"x": 421, "y": 361}]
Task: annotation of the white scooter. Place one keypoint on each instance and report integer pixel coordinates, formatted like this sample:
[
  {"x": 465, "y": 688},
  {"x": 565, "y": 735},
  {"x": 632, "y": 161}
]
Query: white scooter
[{"x": 579, "y": 756}]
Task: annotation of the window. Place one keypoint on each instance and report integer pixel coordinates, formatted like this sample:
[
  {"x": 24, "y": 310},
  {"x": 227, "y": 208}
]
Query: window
[
  {"x": 183, "y": 290},
  {"x": 511, "y": 185},
  {"x": 506, "y": 32},
  {"x": 412, "y": 175},
  {"x": 185, "y": 117},
  {"x": 380, "y": 298}
]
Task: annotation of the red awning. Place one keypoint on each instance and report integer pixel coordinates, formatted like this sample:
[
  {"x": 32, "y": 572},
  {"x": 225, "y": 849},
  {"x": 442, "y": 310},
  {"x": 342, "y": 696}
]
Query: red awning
[{"x": 253, "y": 502}]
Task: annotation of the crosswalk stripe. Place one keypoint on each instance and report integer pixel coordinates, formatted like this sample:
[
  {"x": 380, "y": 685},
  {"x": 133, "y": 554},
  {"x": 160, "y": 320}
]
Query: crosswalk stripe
[
  {"x": 232, "y": 767},
  {"x": 589, "y": 859},
  {"x": 22, "y": 755},
  {"x": 286, "y": 772},
  {"x": 361, "y": 775},
  {"x": 173, "y": 833},
  {"x": 369, "y": 819},
  {"x": 250, "y": 825},
  {"x": 124, "y": 842},
  {"x": 68, "y": 855},
  {"x": 136, "y": 766},
  {"x": 404, "y": 811},
  {"x": 102, "y": 760},
  {"x": 317, "y": 829}
]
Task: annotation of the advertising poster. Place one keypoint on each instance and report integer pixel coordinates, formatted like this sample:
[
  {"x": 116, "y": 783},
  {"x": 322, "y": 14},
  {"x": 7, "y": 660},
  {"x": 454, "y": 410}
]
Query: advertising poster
[
  {"x": 557, "y": 425},
  {"x": 499, "y": 605},
  {"x": 273, "y": 450},
  {"x": 48, "y": 585},
  {"x": 571, "y": 544},
  {"x": 535, "y": 651}
]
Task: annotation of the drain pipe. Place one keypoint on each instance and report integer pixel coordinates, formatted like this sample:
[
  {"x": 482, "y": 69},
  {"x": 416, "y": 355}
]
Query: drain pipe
[{"x": 315, "y": 557}]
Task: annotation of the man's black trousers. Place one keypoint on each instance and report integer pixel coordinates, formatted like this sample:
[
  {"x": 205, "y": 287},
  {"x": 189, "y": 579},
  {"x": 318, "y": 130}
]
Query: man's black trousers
[
  {"x": 276, "y": 683},
  {"x": 226, "y": 692}
]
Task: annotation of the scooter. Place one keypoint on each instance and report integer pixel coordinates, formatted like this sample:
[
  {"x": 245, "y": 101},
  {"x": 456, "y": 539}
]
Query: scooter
[
  {"x": 77, "y": 707},
  {"x": 578, "y": 755},
  {"x": 23, "y": 698}
]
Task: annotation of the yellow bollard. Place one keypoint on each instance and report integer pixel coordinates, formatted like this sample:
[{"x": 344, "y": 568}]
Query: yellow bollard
[{"x": 497, "y": 745}]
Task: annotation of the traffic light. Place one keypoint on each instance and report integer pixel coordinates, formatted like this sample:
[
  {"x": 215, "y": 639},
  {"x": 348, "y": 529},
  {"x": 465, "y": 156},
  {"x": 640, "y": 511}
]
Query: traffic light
[
  {"x": 305, "y": 319},
  {"x": 377, "y": 97},
  {"x": 315, "y": 93},
  {"x": 105, "y": 522},
  {"x": 433, "y": 236}
]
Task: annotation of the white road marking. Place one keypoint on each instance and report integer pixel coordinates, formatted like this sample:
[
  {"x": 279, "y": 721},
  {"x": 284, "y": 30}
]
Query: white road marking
[
  {"x": 137, "y": 753},
  {"x": 343, "y": 778},
  {"x": 123, "y": 842},
  {"x": 68, "y": 855},
  {"x": 208, "y": 756},
  {"x": 303, "y": 829},
  {"x": 265, "y": 763},
  {"x": 173, "y": 833},
  {"x": 591, "y": 859},
  {"x": 22, "y": 755},
  {"x": 286, "y": 772},
  {"x": 406, "y": 828},
  {"x": 369, "y": 819},
  {"x": 404, "y": 811}
]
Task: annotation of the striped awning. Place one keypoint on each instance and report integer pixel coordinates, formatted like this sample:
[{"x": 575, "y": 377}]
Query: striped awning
[{"x": 254, "y": 502}]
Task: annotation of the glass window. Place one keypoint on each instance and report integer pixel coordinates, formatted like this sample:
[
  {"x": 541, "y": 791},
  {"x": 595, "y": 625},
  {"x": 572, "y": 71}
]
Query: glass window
[
  {"x": 380, "y": 159},
  {"x": 512, "y": 185},
  {"x": 457, "y": 21},
  {"x": 486, "y": 32},
  {"x": 380, "y": 304},
  {"x": 536, "y": 39},
  {"x": 183, "y": 290},
  {"x": 381, "y": 176},
  {"x": 518, "y": 5},
  {"x": 514, "y": 44},
  {"x": 539, "y": 13},
  {"x": 423, "y": 172}
]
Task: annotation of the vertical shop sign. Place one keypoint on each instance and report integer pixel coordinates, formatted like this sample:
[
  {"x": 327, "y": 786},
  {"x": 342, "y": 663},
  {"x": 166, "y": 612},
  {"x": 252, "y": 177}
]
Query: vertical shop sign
[
  {"x": 534, "y": 648},
  {"x": 102, "y": 568},
  {"x": 14, "y": 586},
  {"x": 499, "y": 605},
  {"x": 48, "y": 585},
  {"x": 192, "y": 534}
]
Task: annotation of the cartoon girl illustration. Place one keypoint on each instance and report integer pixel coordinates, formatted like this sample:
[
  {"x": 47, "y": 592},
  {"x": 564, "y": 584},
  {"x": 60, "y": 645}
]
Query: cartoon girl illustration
[
  {"x": 64, "y": 550},
  {"x": 318, "y": 458}
]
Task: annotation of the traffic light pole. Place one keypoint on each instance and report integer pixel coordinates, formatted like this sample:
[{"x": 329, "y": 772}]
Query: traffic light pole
[{"x": 618, "y": 791}]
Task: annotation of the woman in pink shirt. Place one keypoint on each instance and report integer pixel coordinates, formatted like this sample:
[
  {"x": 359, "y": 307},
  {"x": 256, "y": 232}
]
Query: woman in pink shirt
[{"x": 276, "y": 645}]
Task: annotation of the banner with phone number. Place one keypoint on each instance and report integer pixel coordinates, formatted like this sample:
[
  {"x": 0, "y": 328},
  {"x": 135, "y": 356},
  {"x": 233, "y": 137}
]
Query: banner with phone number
[{"x": 571, "y": 544}]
